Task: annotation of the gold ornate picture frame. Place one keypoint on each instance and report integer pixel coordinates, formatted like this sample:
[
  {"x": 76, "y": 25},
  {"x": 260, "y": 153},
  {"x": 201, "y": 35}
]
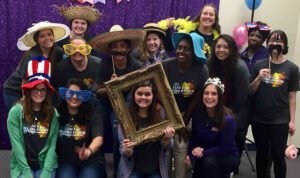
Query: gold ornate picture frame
[{"x": 116, "y": 88}]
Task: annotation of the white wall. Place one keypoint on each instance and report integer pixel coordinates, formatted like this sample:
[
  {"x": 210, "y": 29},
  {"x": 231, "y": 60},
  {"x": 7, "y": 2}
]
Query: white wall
[{"x": 280, "y": 14}]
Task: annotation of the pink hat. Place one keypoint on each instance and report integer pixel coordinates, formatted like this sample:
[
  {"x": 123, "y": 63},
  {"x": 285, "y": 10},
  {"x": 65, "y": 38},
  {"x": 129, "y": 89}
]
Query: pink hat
[{"x": 38, "y": 71}]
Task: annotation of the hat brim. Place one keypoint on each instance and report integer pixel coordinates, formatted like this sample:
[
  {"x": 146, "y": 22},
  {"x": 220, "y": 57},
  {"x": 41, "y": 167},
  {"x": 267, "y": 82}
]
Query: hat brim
[
  {"x": 197, "y": 40},
  {"x": 102, "y": 41},
  {"x": 60, "y": 32},
  {"x": 31, "y": 85}
]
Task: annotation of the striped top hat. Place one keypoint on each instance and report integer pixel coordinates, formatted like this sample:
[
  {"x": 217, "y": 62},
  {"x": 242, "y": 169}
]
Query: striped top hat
[{"x": 38, "y": 71}]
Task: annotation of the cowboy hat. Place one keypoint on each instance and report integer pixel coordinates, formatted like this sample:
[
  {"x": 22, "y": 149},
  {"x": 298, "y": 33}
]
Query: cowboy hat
[
  {"x": 154, "y": 27},
  {"x": 38, "y": 71},
  {"x": 197, "y": 41},
  {"x": 60, "y": 31},
  {"x": 101, "y": 42},
  {"x": 88, "y": 13}
]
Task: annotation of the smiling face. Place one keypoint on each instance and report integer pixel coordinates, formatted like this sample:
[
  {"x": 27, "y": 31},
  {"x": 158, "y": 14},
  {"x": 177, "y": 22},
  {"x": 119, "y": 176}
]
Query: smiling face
[
  {"x": 119, "y": 50},
  {"x": 222, "y": 49},
  {"x": 77, "y": 56},
  {"x": 46, "y": 39},
  {"x": 255, "y": 39},
  {"x": 210, "y": 96},
  {"x": 143, "y": 97},
  {"x": 73, "y": 102},
  {"x": 207, "y": 17},
  {"x": 39, "y": 93},
  {"x": 184, "y": 51},
  {"x": 153, "y": 43},
  {"x": 79, "y": 26}
]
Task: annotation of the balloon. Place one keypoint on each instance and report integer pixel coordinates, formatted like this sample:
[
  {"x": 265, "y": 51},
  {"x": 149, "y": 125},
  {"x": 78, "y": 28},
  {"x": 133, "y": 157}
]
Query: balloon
[
  {"x": 249, "y": 3},
  {"x": 240, "y": 35}
]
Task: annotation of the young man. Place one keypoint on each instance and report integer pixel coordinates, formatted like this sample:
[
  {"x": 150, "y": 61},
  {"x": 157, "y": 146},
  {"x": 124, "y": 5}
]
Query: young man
[{"x": 117, "y": 43}]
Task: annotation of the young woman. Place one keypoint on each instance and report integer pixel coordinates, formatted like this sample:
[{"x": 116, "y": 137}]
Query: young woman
[
  {"x": 80, "y": 134},
  {"x": 152, "y": 49},
  {"x": 32, "y": 127},
  {"x": 233, "y": 72},
  {"x": 147, "y": 160},
  {"x": 39, "y": 40},
  {"x": 275, "y": 82},
  {"x": 212, "y": 146}
]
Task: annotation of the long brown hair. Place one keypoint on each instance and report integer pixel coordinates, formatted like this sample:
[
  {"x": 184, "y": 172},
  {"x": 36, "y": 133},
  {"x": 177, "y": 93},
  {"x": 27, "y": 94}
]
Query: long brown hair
[
  {"x": 220, "y": 110},
  {"x": 52, "y": 53},
  {"x": 216, "y": 26},
  {"x": 143, "y": 49},
  {"x": 153, "y": 112},
  {"x": 47, "y": 108}
]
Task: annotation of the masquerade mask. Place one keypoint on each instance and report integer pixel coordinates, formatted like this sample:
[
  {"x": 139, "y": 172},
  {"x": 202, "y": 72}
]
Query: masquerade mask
[
  {"x": 259, "y": 27},
  {"x": 70, "y": 49},
  {"x": 81, "y": 95}
]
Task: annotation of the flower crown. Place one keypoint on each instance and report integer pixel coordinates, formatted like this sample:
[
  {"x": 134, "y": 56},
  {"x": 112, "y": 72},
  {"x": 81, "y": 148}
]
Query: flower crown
[
  {"x": 180, "y": 25},
  {"x": 216, "y": 81}
]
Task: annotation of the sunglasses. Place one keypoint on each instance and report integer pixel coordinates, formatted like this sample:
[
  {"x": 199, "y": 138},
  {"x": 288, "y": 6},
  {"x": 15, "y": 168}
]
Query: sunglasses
[
  {"x": 81, "y": 95},
  {"x": 70, "y": 49},
  {"x": 255, "y": 25}
]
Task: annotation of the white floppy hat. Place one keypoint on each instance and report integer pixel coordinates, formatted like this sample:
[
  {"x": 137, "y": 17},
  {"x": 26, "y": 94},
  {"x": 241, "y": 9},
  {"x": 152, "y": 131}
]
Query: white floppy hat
[
  {"x": 116, "y": 33},
  {"x": 60, "y": 31}
]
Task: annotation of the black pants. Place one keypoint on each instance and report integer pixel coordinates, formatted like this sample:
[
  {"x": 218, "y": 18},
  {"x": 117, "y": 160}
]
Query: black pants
[
  {"x": 274, "y": 136},
  {"x": 215, "y": 166}
]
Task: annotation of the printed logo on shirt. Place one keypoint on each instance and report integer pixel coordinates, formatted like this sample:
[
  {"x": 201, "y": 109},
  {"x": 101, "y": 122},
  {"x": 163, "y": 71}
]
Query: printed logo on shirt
[
  {"x": 186, "y": 88},
  {"x": 276, "y": 80},
  {"x": 89, "y": 82},
  {"x": 76, "y": 131},
  {"x": 37, "y": 128}
]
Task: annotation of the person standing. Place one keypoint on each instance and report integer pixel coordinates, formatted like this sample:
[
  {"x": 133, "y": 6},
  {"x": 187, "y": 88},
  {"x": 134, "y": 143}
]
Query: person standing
[{"x": 274, "y": 85}]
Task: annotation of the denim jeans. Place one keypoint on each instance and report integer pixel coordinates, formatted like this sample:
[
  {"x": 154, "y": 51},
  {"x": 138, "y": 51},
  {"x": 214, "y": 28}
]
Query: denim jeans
[
  {"x": 37, "y": 174},
  {"x": 67, "y": 170},
  {"x": 137, "y": 175}
]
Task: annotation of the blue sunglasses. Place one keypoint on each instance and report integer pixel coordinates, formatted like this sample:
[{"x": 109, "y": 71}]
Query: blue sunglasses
[{"x": 81, "y": 95}]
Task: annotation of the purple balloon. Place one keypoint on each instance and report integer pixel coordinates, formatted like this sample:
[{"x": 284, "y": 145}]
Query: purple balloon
[{"x": 240, "y": 35}]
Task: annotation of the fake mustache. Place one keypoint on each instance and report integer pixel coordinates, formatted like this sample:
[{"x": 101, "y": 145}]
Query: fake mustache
[
  {"x": 277, "y": 47},
  {"x": 121, "y": 53}
]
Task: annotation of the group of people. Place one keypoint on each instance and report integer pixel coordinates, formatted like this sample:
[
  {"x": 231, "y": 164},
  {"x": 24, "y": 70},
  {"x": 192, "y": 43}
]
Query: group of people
[{"x": 56, "y": 122}]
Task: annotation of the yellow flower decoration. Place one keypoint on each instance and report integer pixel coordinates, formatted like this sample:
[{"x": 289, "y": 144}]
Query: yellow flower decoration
[{"x": 163, "y": 24}]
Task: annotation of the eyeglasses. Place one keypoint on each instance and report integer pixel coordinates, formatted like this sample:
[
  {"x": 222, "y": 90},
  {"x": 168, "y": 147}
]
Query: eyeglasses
[
  {"x": 258, "y": 26},
  {"x": 81, "y": 95},
  {"x": 39, "y": 90},
  {"x": 70, "y": 49}
]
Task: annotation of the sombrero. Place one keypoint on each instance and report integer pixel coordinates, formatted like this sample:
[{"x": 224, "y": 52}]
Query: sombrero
[
  {"x": 101, "y": 42},
  {"x": 60, "y": 31},
  {"x": 154, "y": 27},
  {"x": 88, "y": 13}
]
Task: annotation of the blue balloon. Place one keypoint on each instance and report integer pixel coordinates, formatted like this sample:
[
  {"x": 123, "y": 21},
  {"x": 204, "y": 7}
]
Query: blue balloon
[{"x": 249, "y": 3}]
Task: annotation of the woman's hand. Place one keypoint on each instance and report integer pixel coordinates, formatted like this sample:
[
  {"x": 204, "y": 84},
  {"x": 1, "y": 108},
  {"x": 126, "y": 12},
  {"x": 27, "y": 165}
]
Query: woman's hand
[
  {"x": 264, "y": 73},
  {"x": 292, "y": 128},
  {"x": 187, "y": 161},
  {"x": 127, "y": 146},
  {"x": 83, "y": 152},
  {"x": 169, "y": 132},
  {"x": 198, "y": 152}
]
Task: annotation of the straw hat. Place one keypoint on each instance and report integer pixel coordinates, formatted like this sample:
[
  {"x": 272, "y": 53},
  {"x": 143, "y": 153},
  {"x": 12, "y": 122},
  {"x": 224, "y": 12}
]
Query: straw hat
[
  {"x": 154, "y": 27},
  {"x": 197, "y": 41},
  {"x": 60, "y": 31},
  {"x": 38, "y": 71},
  {"x": 88, "y": 13},
  {"x": 116, "y": 33}
]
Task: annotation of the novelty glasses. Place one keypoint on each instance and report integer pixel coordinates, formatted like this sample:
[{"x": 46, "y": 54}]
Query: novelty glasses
[
  {"x": 70, "y": 49},
  {"x": 258, "y": 26},
  {"x": 81, "y": 95}
]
